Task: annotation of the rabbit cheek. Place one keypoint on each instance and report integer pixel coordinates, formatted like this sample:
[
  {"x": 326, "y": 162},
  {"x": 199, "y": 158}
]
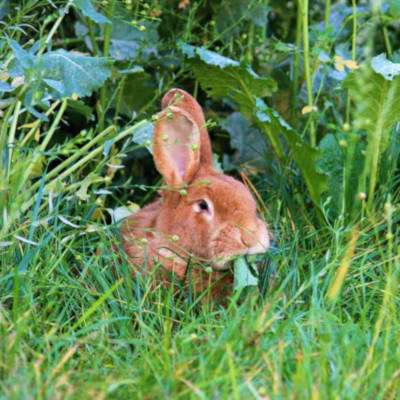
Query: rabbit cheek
[{"x": 227, "y": 244}]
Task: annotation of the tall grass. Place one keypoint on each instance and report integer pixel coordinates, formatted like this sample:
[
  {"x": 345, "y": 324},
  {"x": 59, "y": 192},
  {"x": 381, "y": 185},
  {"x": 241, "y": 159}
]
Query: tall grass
[{"x": 324, "y": 322}]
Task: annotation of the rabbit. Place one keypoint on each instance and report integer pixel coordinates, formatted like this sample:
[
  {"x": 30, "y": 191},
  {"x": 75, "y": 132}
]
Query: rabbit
[{"x": 202, "y": 215}]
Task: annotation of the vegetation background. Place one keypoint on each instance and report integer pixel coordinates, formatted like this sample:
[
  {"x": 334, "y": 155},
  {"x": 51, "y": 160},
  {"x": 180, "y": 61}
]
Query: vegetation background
[{"x": 302, "y": 99}]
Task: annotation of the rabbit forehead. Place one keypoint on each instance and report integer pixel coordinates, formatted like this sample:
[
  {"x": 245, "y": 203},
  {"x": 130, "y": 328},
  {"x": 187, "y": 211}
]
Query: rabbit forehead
[{"x": 226, "y": 193}]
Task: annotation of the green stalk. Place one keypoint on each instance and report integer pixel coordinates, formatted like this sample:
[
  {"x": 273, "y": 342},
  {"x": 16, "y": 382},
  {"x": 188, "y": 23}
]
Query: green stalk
[
  {"x": 296, "y": 65},
  {"x": 307, "y": 69},
  {"x": 54, "y": 126},
  {"x": 387, "y": 41},
  {"x": 354, "y": 33},
  {"x": 101, "y": 107},
  {"x": 92, "y": 309},
  {"x": 250, "y": 43},
  {"x": 37, "y": 123},
  {"x": 350, "y": 150},
  {"x": 11, "y": 136},
  {"x": 327, "y": 12},
  {"x": 92, "y": 37},
  {"x": 118, "y": 100},
  {"x": 75, "y": 156},
  {"x": 84, "y": 160},
  {"x": 53, "y": 30}
]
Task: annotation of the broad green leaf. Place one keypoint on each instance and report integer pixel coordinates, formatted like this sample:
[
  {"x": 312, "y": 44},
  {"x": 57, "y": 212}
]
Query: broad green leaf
[
  {"x": 130, "y": 42},
  {"x": 377, "y": 109},
  {"x": 25, "y": 59},
  {"x": 58, "y": 74},
  {"x": 74, "y": 73},
  {"x": 222, "y": 77},
  {"x": 247, "y": 140},
  {"x": 242, "y": 275},
  {"x": 88, "y": 10}
]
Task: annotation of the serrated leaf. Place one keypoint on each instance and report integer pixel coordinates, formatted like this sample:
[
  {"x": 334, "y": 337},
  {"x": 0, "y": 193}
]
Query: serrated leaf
[
  {"x": 240, "y": 84},
  {"x": 223, "y": 77},
  {"x": 57, "y": 74},
  {"x": 377, "y": 109},
  {"x": 242, "y": 275},
  {"x": 88, "y": 10},
  {"x": 78, "y": 74}
]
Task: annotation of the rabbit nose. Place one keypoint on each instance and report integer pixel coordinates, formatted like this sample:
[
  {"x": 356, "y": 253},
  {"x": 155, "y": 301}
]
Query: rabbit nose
[
  {"x": 257, "y": 239},
  {"x": 248, "y": 237}
]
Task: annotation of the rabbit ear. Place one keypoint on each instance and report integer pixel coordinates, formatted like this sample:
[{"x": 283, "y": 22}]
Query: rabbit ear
[
  {"x": 176, "y": 146},
  {"x": 183, "y": 100}
]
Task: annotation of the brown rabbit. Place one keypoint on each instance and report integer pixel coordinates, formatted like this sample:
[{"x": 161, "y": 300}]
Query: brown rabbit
[{"x": 202, "y": 215}]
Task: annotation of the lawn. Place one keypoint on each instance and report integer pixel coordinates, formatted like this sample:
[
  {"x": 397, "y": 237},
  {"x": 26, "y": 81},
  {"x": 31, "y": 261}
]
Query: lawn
[{"x": 302, "y": 104}]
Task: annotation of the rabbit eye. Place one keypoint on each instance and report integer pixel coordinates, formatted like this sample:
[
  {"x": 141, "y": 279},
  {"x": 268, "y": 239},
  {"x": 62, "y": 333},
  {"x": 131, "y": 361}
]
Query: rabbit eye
[
  {"x": 205, "y": 208},
  {"x": 203, "y": 205}
]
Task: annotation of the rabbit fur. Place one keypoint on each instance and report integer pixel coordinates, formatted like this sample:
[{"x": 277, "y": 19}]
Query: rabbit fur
[{"x": 202, "y": 214}]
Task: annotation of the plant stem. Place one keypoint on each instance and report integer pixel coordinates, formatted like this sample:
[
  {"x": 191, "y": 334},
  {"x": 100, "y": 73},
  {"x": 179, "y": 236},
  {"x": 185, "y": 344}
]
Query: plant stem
[
  {"x": 92, "y": 37},
  {"x": 87, "y": 158},
  {"x": 76, "y": 155},
  {"x": 101, "y": 107},
  {"x": 37, "y": 123},
  {"x": 118, "y": 100},
  {"x": 327, "y": 12},
  {"x": 307, "y": 69},
  {"x": 354, "y": 33},
  {"x": 53, "y": 30},
  {"x": 54, "y": 126},
  {"x": 387, "y": 41},
  {"x": 296, "y": 66},
  {"x": 353, "y": 54},
  {"x": 11, "y": 136}
]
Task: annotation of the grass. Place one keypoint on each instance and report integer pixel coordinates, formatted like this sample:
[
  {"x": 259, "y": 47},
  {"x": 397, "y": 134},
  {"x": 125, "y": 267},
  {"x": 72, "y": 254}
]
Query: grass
[{"x": 75, "y": 325}]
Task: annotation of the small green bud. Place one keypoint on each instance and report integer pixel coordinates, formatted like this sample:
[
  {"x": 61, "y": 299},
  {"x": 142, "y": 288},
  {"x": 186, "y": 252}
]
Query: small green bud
[{"x": 175, "y": 238}]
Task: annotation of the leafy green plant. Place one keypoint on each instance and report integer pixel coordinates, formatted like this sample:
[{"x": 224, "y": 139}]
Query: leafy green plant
[
  {"x": 375, "y": 91},
  {"x": 222, "y": 77}
]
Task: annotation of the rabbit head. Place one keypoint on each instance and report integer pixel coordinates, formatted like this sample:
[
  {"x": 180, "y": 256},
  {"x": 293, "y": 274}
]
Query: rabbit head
[{"x": 213, "y": 217}]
